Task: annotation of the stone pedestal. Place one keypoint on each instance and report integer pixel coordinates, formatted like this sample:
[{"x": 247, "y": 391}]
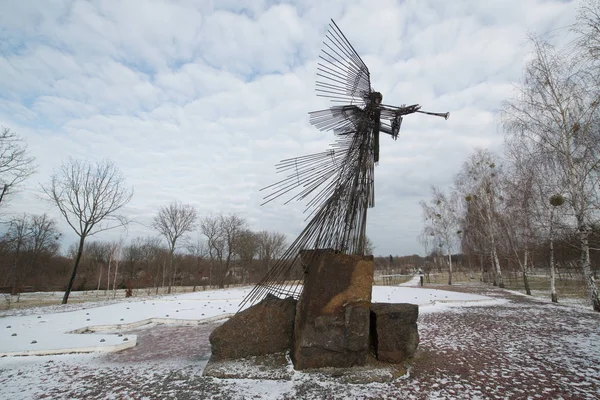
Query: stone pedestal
[
  {"x": 333, "y": 313},
  {"x": 394, "y": 334},
  {"x": 264, "y": 328}
]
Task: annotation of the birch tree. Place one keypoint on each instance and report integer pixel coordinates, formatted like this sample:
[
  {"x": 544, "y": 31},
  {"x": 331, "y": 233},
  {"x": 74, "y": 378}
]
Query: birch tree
[
  {"x": 557, "y": 113},
  {"x": 113, "y": 248},
  {"x": 441, "y": 227},
  {"x": 477, "y": 183},
  {"x": 117, "y": 252},
  {"x": 518, "y": 214}
]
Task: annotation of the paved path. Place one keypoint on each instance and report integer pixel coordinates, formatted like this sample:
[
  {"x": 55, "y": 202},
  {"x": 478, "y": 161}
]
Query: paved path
[{"x": 519, "y": 350}]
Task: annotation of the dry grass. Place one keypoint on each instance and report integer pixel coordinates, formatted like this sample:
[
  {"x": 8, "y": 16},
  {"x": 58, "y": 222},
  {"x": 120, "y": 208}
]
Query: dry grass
[
  {"x": 566, "y": 288},
  {"x": 457, "y": 277}
]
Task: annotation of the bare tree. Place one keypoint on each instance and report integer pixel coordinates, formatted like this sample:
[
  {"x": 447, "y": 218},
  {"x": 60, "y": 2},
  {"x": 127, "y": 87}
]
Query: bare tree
[
  {"x": 172, "y": 222},
  {"x": 369, "y": 246},
  {"x": 98, "y": 254},
  {"x": 15, "y": 163},
  {"x": 231, "y": 227},
  {"x": 28, "y": 238},
  {"x": 223, "y": 233},
  {"x": 18, "y": 236},
  {"x": 587, "y": 30},
  {"x": 271, "y": 245},
  {"x": 441, "y": 224},
  {"x": 113, "y": 249},
  {"x": 517, "y": 216},
  {"x": 557, "y": 114},
  {"x": 477, "y": 183},
  {"x": 210, "y": 227},
  {"x": 198, "y": 250},
  {"x": 88, "y": 196},
  {"x": 117, "y": 252},
  {"x": 246, "y": 249}
]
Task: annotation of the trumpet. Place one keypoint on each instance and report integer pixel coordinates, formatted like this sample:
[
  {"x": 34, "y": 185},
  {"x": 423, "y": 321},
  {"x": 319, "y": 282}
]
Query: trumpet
[{"x": 445, "y": 115}]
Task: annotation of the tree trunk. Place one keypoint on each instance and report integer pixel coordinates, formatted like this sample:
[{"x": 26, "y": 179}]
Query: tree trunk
[
  {"x": 498, "y": 278},
  {"x": 164, "y": 272},
  {"x": 170, "y": 271},
  {"x": 553, "y": 296},
  {"x": 115, "y": 280},
  {"x": 222, "y": 273},
  {"x": 585, "y": 266},
  {"x": 4, "y": 189},
  {"x": 156, "y": 278},
  {"x": 210, "y": 274},
  {"x": 449, "y": 267},
  {"x": 482, "y": 270},
  {"x": 107, "y": 290},
  {"x": 99, "y": 280},
  {"x": 525, "y": 277},
  {"x": 16, "y": 264},
  {"x": 197, "y": 270},
  {"x": 74, "y": 272}
]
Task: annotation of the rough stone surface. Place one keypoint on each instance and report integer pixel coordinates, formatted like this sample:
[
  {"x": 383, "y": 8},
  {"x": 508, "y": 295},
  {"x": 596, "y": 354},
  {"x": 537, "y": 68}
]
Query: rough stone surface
[
  {"x": 394, "y": 333},
  {"x": 332, "y": 317},
  {"x": 264, "y": 328},
  {"x": 269, "y": 366}
]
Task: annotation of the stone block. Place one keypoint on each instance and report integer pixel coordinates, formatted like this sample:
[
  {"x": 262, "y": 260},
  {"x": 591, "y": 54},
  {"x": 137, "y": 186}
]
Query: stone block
[
  {"x": 394, "y": 333},
  {"x": 265, "y": 328},
  {"x": 332, "y": 317}
]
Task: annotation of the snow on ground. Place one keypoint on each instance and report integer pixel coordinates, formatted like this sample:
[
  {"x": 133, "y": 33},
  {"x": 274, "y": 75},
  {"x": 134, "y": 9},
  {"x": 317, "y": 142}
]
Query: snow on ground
[
  {"x": 429, "y": 300},
  {"x": 48, "y": 333},
  {"x": 479, "y": 344},
  {"x": 51, "y": 333}
]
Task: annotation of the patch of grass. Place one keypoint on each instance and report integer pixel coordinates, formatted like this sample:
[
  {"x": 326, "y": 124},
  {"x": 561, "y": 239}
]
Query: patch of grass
[
  {"x": 565, "y": 288},
  {"x": 457, "y": 277}
]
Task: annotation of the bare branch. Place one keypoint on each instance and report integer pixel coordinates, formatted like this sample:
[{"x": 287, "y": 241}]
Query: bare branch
[
  {"x": 15, "y": 163},
  {"x": 88, "y": 196}
]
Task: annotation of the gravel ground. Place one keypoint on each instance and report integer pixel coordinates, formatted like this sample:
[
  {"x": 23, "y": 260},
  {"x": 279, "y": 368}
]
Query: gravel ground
[{"x": 523, "y": 349}]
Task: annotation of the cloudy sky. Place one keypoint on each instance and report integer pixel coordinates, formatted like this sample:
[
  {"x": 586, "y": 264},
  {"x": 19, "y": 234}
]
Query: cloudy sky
[{"x": 196, "y": 101}]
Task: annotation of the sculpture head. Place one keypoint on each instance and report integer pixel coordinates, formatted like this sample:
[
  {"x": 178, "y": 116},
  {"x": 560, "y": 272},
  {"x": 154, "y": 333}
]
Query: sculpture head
[{"x": 376, "y": 97}]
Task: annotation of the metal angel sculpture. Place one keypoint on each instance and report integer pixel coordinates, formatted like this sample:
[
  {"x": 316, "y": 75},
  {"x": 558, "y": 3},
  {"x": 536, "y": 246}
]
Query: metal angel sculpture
[{"x": 338, "y": 182}]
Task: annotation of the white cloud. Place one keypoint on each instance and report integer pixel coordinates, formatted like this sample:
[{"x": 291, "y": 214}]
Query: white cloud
[{"x": 196, "y": 101}]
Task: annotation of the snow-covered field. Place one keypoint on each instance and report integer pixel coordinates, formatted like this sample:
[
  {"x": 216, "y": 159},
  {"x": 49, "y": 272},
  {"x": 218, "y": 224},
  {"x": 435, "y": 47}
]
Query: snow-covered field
[
  {"x": 172, "y": 349},
  {"x": 97, "y": 328}
]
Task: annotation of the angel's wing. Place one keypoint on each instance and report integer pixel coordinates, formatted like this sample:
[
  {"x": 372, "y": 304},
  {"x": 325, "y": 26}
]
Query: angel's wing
[
  {"x": 342, "y": 120},
  {"x": 342, "y": 74},
  {"x": 344, "y": 77}
]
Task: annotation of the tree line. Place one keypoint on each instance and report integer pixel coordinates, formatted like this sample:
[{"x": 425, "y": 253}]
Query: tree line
[
  {"x": 515, "y": 210},
  {"x": 90, "y": 197},
  {"x": 215, "y": 250}
]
